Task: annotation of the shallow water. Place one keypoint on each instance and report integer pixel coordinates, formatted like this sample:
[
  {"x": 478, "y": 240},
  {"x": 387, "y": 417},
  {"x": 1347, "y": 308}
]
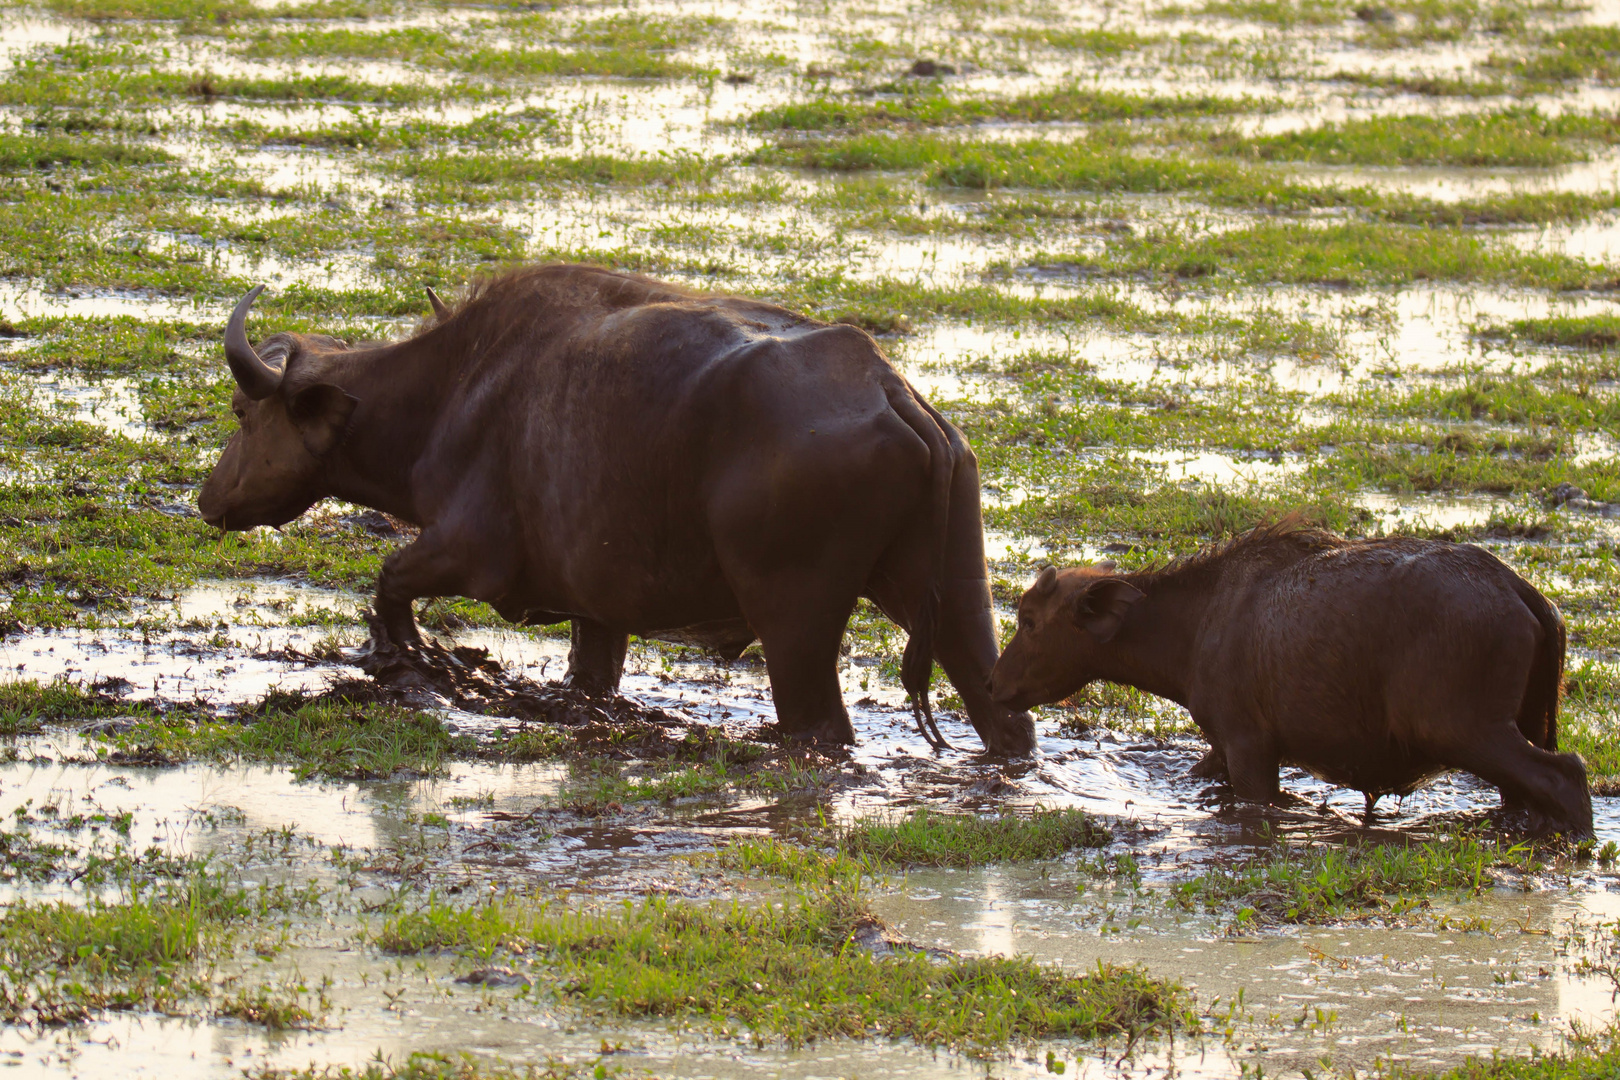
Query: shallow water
[{"x": 1493, "y": 971}]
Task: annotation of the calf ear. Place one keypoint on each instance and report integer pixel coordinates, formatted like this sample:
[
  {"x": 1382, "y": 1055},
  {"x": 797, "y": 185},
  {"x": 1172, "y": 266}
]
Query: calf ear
[
  {"x": 1100, "y": 608},
  {"x": 321, "y": 414}
]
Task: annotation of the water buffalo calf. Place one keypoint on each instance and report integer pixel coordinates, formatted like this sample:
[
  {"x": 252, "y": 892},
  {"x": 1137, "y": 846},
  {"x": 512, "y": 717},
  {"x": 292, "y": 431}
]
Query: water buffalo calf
[
  {"x": 1374, "y": 664},
  {"x": 640, "y": 459}
]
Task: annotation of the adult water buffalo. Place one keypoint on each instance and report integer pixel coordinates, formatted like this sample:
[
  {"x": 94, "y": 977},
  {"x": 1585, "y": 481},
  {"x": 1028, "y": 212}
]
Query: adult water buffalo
[
  {"x": 1375, "y": 664},
  {"x": 576, "y": 443}
]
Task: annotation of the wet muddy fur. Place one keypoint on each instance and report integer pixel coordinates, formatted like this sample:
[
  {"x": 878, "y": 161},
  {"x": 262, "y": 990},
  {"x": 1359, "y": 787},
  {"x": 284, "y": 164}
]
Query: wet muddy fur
[
  {"x": 1374, "y": 664},
  {"x": 702, "y": 469}
]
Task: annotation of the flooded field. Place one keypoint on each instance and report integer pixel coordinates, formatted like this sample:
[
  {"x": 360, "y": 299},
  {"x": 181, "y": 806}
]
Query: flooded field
[{"x": 1175, "y": 269}]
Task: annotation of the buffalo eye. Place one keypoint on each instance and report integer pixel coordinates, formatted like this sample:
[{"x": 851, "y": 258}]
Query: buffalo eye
[
  {"x": 239, "y": 413},
  {"x": 1026, "y": 623}
]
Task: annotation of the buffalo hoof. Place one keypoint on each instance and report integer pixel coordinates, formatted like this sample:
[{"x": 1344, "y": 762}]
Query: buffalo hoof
[
  {"x": 589, "y": 687},
  {"x": 833, "y": 733}
]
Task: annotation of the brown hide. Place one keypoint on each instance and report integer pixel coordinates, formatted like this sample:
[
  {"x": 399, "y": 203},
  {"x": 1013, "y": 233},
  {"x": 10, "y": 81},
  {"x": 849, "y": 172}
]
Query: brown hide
[
  {"x": 582, "y": 444},
  {"x": 1374, "y": 664}
]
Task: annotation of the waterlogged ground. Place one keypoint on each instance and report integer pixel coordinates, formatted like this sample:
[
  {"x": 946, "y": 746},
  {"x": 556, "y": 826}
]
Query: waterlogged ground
[{"x": 1174, "y": 268}]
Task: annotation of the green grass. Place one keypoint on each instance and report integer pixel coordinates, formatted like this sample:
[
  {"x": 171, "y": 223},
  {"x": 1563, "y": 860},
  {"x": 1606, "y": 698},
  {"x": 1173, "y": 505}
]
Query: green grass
[
  {"x": 321, "y": 738},
  {"x": 1589, "y": 1055},
  {"x": 215, "y": 12},
  {"x": 928, "y": 838},
  {"x": 1588, "y": 724},
  {"x": 1572, "y": 54},
  {"x": 67, "y": 962},
  {"x": 1286, "y": 14},
  {"x": 792, "y": 971},
  {"x": 1070, "y": 104},
  {"x": 1354, "y": 254},
  {"x": 441, "y": 51},
  {"x": 1326, "y": 883},
  {"x": 1510, "y": 137},
  {"x": 805, "y": 867},
  {"x": 1566, "y": 331},
  {"x": 1102, "y": 166},
  {"x": 1098, "y": 42},
  {"x": 277, "y": 1008},
  {"x": 44, "y": 84},
  {"x": 30, "y": 152},
  {"x": 459, "y": 177}
]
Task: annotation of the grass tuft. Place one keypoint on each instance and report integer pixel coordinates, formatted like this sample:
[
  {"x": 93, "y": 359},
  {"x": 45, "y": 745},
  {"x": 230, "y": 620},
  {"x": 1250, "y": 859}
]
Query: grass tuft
[
  {"x": 797, "y": 971},
  {"x": 928, "y": 838},
  {"x": 1323, "y": 884}
]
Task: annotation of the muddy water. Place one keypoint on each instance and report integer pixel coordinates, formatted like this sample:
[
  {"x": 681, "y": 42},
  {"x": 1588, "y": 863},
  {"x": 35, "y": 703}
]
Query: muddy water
[{"x": 1493, "y": 971}]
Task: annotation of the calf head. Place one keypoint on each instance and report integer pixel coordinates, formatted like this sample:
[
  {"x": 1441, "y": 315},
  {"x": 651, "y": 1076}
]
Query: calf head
[
  {"x": 1066, "y": 624},
  {"x": 289, "y": 421}
]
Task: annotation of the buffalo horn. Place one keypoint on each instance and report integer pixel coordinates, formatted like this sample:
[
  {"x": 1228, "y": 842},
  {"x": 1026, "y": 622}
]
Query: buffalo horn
[
  {"x": 257, "y": 379},
  {"x": 441, "y": 310}
]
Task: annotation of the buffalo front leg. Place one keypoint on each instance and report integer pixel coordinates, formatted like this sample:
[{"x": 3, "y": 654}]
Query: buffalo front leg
[
  {"x": 1251, "y": 766},
  {"x": 425, "y": 567},
  {"x": 595, "y": 657}
]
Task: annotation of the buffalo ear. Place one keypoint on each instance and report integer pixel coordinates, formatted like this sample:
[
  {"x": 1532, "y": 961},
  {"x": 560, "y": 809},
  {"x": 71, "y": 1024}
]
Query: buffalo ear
[
  {"x": 1046, "y": 582},
  {"x": 1101, "y": 607},
  {"x": 321, "y": 414}
]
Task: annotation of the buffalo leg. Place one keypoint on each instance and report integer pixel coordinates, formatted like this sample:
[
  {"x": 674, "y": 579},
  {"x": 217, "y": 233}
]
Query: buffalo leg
[
  {"x": 801, "y": 624},
  {"x": 965, "y": 646},
  {"x": 1552, "y": 784},
  {"x": 595, "y": 657},
  {"x": 429, "y": 566},
  {"x": 1251, "y": 766},
  {"x": 395, "y": 596},
  {"x": 1212, "y": 766}
]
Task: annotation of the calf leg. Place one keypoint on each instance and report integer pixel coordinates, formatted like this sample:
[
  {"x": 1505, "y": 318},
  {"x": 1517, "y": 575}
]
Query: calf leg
[{"x": 595, "y": 657}]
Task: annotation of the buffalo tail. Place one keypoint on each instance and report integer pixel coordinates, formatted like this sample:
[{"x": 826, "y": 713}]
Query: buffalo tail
[
  {"x": 917, "y": 663},
  {"x": 1538, "y": 712}
]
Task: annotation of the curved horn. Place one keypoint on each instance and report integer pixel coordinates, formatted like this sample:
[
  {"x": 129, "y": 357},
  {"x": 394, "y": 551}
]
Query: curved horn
[
  {"x": 257, "y": 379},
  {"x": 441, "y": 310}
]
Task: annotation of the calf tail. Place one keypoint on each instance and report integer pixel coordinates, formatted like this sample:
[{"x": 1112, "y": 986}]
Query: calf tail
[
  {"x": 1538, "y": 712},
  {"x": 917, "y": 663}
]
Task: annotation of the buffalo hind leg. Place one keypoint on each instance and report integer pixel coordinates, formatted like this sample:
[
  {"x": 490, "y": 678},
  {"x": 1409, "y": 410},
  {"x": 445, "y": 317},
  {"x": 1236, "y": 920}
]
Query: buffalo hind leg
[
  {"x": 801, "y": 630},
  {"x": 595, "y": 657},
  {"x": 1553, "y": 785}
]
